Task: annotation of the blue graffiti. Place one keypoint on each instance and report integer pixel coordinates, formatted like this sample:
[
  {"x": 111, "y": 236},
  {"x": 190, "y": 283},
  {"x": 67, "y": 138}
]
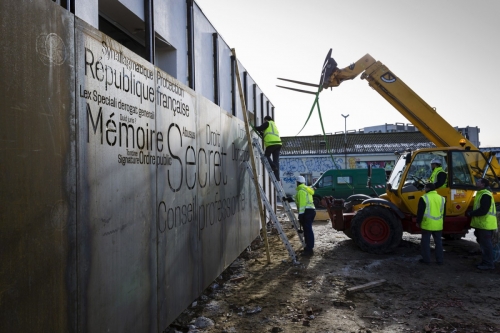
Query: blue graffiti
[
  {"x": 338, "y": 163},
  {"x": 309, "y": 165},
  {"x": 292, "y": 165},
  {"x": 288, "y": 177},
  {"x": 319, "y": 164}
]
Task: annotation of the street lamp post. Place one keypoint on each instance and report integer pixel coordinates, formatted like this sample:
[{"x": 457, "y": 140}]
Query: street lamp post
[{"x": 345, "y": 140}]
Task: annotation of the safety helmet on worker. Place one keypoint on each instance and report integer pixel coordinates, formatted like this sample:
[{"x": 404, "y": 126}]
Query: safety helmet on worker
[
  {"x": 300, "y": 179},
  {"x": 436, "y": 160}
]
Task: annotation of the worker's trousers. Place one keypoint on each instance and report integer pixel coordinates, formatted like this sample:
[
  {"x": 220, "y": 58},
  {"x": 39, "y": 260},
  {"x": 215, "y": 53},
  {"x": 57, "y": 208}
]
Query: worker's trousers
[
  {"x": 306, "y": 220},
  {"x": 274, "y": 151},
  {"x": 483, "y": 237},
  {"x": 425, "y": 245}
]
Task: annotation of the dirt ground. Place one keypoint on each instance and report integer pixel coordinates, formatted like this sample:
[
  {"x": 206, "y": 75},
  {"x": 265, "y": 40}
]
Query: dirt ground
[{"x": 253, "y": 295}]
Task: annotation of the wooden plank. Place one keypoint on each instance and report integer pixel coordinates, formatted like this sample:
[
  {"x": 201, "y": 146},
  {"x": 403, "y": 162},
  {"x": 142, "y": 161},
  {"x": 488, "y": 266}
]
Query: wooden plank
[
  {"x": 252, "y": 159},
  {"x": 365, "y": 286}
]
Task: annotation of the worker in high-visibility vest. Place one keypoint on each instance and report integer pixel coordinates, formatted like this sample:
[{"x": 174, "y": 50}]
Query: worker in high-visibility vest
[
  {"x": 430, "y": 215},
  {"x": 438, "y": 176},
  {"x": 484, "y": 220},
  {"x": 307, "y": 213},
  {"x": 272, "y": 143}
]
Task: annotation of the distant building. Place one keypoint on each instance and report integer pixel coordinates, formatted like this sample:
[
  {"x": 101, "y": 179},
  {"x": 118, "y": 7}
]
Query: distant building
[
  {"x": 470, "y": 133},
  {"x": 390, "y": 128}
]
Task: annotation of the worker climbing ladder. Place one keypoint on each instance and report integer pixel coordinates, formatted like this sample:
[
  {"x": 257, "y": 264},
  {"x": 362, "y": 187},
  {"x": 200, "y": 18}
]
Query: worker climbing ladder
[
  {"x": 260, "y": 192},
  {"x": 279, "y": 190},
  {"x": 274, "y": 220}
]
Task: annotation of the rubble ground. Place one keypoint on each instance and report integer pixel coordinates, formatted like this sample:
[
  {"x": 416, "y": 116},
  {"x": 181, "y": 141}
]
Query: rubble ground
[{"x": 394, "y": 292}]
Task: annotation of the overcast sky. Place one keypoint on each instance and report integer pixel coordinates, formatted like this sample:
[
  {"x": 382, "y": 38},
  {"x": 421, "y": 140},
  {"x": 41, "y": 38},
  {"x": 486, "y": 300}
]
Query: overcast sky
[{"x": 447, "y": 51}]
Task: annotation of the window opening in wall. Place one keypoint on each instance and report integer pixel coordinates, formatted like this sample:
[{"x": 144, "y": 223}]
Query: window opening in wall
[
  {"x": 233, "y": 85},
  {"x": 190, "y": 45},
  {"x": 119, "y": 33},
  {"x": 261, "y": 107},
  {"x": 166, "y": 56},
  {"x": 216, "y": 83},
  {"x": 254, "y": 97},
  {"x": 67, "y": 4},
  {"x": 245, "y": 88}
]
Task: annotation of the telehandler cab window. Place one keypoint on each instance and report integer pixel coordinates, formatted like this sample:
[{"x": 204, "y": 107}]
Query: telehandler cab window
[
  {"x": 421, "y": 165},
  {"x": 460, "y": 171},
  {"x": 468, "y": 166},
  {"x": 397, "y": 173},
  {"x": 420, "y": 170}
]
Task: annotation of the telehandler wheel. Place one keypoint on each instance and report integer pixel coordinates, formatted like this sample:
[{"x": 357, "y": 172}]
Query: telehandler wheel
[
  {"x": 453, "y": 236},
  {"x": 375, "y": 229}
]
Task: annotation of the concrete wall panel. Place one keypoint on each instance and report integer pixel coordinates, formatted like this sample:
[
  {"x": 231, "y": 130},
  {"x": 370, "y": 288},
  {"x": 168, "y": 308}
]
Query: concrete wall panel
[
  {"x": 177, "y": 198},
  {"x": 117, "y": 149},
  {"x": 37, "y": 163}
]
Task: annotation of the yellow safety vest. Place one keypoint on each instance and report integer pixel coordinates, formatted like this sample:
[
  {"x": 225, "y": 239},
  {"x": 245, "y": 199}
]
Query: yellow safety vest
[
  {"x": 434, "y": 174},
  {"x": 488, "y": 221},
  {"x": 271, "y": 135},
  {"x": 304, "y": 198},
  {"x": 434, "y": 211}
]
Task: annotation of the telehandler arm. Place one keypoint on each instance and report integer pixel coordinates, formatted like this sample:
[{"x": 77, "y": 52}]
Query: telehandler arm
[{"x": 405, "y": 100}]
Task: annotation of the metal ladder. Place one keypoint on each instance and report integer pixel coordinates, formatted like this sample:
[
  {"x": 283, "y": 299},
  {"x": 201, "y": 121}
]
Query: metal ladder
[
  {"x": 279, "y": 190},
  {"x": 274, "y": 219}
]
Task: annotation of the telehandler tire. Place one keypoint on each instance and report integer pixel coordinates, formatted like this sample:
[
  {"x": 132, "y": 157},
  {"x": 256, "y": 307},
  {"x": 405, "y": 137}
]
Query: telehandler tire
[
  {"x": 375, "y": 229},
  {"x": 453, "y": 236}
]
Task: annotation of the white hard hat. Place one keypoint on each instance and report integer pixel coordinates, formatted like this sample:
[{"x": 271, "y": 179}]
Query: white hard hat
[
  {"x": 300, "y": 179},
  {"x": 436, "y": 160}
]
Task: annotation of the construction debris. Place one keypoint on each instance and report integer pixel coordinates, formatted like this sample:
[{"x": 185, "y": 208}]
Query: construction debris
[{"x": 365, "y": 286}]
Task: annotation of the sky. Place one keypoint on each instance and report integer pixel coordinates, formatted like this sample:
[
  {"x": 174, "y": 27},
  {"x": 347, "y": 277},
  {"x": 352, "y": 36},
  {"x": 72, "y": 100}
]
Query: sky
[{"x": 447, "y": 51}]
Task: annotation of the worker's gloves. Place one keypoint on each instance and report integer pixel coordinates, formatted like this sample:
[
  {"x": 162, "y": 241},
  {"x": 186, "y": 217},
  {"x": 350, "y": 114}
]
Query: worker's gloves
[{"x": 289, "y": 199}]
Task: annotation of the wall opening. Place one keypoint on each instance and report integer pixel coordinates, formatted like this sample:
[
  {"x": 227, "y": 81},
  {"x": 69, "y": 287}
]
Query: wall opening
[
  {"x": 166, "y": 56},
  {"x": 119, "y": 34}
]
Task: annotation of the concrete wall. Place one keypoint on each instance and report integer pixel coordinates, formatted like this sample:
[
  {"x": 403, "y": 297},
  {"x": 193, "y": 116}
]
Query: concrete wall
[{"x": 124, "y": 193}]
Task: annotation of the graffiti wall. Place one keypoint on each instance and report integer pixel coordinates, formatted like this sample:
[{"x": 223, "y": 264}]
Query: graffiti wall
[{"x": 313, "y": 167}]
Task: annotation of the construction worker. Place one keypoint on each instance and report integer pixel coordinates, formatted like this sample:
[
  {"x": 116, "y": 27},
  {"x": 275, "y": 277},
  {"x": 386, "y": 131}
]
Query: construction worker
[
  {"x": 272, "y": 143},
  {"x": 438, "y": 176},
  {"x": 484, "y": 221},
  {"x": 307, "y": 212},
  {"x": 430, "y": 215}
]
